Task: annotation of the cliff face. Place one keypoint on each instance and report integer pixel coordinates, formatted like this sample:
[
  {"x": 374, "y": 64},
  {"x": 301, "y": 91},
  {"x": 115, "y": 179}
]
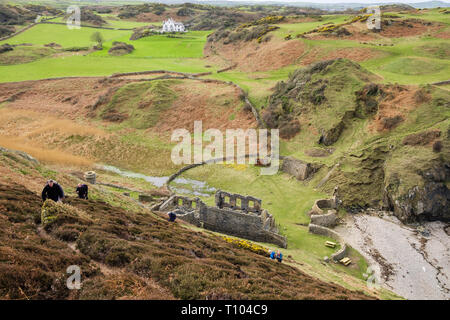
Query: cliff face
[{"x": 429, "y": 201}]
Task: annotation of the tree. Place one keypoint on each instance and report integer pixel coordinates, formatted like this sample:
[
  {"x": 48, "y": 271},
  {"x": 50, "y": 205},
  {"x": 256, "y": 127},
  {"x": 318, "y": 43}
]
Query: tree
[{"x": 97, "y": 37}]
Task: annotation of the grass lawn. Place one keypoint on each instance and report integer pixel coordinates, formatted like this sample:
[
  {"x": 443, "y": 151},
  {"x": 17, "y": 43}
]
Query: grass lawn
[
  {"x": 113, "y": 22},
  {"x": 428, "y": 14},
  {"x": 189, "y": 45},
  {"x": 60, "y": 34},
  {"x": 152, "y": 53},
  {"x": 93, "y": 66}
]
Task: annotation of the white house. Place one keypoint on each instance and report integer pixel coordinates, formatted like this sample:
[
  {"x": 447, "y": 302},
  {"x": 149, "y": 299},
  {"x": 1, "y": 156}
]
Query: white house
[{"x": 172, "y": 26}]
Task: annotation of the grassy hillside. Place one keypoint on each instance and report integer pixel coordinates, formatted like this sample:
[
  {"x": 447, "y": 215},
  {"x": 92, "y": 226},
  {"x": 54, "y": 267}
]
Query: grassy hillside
[
  {"x": 142, "y": 146},
  {"x": 125, "y": 253},
  {"x": 356, "y": 103},
  {"x": 367, "y": 128}
]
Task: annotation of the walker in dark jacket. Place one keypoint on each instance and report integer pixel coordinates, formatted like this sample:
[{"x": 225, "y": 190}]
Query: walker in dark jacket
[
  {"x": 53, "y": 191},
  {"x": 172, "y": 216},
  {"x": 82, "y": 191}
]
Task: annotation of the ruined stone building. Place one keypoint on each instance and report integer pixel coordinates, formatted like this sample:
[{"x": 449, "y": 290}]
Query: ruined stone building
[{"x": 233, "y": 214}]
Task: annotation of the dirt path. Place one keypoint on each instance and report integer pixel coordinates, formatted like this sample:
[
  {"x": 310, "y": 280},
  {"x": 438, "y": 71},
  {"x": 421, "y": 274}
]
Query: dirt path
[{"x": 413, "y": 264}]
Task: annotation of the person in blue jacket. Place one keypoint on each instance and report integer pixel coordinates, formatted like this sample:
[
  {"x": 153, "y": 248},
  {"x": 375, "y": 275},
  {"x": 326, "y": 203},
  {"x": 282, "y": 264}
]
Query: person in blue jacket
[
  {"x": 272, "y": 254},
  {"x": 279, "y": 256}
]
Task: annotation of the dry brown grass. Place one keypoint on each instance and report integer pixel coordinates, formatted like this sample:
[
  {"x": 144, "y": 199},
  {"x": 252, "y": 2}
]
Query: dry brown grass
[
  {"x": 354, "y": 54},
  {"x": 398, "y": 102},
  {"x": 253, "y": 56},
  {"x": 217, "y": 105},
  {"x": 53, "y": 156},
  {"x": 40, "y": 123}
]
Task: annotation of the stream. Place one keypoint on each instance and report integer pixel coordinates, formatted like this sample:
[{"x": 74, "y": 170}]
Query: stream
[{"x": 179, "y": 185}]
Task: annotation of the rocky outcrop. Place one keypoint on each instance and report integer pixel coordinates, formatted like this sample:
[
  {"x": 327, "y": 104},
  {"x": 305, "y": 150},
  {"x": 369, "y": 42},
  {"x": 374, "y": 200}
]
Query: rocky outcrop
[
  {"x": 429, "y": 201},
  {"x": 330, "y": 136},
  {"x": 21, "y": 154},
  {"x": 90, "y": 17},
  {"x": 6, "y": 30}
]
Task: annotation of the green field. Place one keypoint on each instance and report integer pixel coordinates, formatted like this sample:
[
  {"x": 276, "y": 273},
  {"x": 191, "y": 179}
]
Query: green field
[
  {"x": 402, "y": 62},
  {"x": 157, "y": 52},
  {"x": 113, "y": 22},
  {"x": 47, "y": 33},
  {"x": 160, "y": 46}
]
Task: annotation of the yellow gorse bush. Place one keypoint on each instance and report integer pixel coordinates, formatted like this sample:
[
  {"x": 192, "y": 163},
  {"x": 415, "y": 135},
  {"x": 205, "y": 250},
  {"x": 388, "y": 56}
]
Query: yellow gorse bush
[
  {"x": 236, "y": 166},
  {"x": 244, "y": 244},
  {"x": 361, "y": 18},
  {"x": 265, "y": 20}
]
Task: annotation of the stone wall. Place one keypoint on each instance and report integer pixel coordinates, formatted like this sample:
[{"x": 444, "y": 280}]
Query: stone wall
[
  {"x": 237, "y": 202},
  {"x": 236, "y": 215},
  {"x": 321, "y": 222},
  {"x": 181, "y": 202},
  {"x": 325, "y": 220},
  {"x": 245, "y": 225},
  {"x": 324, "y": 231},
  {"x": 297, "y": 168},
  {"x": 321, "y": 206}
]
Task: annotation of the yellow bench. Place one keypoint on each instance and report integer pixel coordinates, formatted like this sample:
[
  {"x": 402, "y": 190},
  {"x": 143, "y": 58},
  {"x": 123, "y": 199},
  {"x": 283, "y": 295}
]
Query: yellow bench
[
  {"x": 345, "y": 261},
  {"x": 330, "y": 244}
]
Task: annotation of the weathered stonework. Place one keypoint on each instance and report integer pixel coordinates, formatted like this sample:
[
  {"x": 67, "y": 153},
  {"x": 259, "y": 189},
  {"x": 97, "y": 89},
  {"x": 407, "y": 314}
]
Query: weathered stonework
[
  {"x": 323, "y": 217},
  {"x": 90, "y": 177},
  {"x": 234, "y": 214},
  {"x": 327, "y": 220},
  {"x": 297, "y": 168},
  {"x": 327, "y": 232},
  {"x": 237, "y": 202},
  {"x": 323, "y": 206}
]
